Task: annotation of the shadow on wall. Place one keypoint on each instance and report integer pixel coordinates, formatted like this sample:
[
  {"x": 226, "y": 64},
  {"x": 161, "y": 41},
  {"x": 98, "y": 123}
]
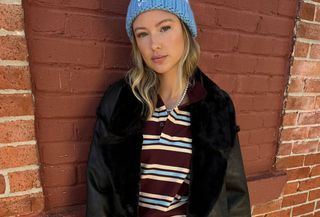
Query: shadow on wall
[{"x": 76, "y": 49}]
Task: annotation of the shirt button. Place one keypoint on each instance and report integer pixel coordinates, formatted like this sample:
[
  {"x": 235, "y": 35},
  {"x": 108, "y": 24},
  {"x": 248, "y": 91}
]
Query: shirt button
[{"x": 161, "y": 124}]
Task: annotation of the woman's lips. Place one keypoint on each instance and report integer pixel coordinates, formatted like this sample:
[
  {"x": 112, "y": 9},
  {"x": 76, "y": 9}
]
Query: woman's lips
[{"x": 159, "y": 59}]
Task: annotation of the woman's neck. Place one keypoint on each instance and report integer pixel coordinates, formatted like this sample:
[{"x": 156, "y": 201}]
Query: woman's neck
[{"x": 171, "y": 89}]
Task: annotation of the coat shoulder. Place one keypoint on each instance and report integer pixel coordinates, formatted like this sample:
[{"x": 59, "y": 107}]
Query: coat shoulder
[{"x": 108, "y": 100}]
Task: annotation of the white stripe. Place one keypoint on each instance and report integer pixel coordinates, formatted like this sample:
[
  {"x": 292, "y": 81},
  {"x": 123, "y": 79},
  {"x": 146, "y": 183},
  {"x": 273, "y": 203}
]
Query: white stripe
[
  {"x": 176, "y": 138},
  {"x": 162, "y": 208},
  {"x": 160, "y": 109},
  {"x": 162, "y": 178},
  {"x": 159, "y": 166},
  {"x": 158, "y": 196},
  {"x": 148, "y": 136},
  {"x": 178, "y": 121},
  {"x": 166, "y": 148},
  {"x": 157, "y": 119},
  {"x": 181, "y": 112}
]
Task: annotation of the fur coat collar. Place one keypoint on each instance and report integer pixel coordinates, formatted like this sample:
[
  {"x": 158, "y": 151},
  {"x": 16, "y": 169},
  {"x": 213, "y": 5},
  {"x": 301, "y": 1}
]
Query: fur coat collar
[{"x": 213, "y": 130}]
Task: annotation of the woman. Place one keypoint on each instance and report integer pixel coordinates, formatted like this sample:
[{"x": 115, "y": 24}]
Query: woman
[{"x": 165, "y": 142}]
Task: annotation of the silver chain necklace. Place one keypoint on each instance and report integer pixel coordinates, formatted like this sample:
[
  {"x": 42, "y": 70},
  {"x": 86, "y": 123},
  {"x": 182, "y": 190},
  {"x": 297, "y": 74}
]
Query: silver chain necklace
[{"x": 182, "y": 97}]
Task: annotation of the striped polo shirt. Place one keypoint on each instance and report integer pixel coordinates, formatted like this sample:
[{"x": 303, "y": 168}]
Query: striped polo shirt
[{"x": 165, "y": 159}]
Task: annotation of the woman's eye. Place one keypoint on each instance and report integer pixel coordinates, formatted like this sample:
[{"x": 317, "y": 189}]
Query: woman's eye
[
  {"x": 141, "y": 34},
  {"x": 165, "y": 28}
]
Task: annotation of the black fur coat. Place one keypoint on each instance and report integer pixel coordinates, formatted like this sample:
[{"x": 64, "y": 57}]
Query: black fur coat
[{"x": 218, "y": 186}]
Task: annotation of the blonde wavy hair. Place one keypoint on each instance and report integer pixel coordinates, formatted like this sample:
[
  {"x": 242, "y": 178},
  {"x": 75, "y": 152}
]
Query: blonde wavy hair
[{"x": 144, "y": 81}]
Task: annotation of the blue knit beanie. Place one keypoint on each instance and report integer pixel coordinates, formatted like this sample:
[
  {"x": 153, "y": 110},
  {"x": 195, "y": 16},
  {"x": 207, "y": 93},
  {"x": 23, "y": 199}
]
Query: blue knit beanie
[{"x": 181, "y": 8}]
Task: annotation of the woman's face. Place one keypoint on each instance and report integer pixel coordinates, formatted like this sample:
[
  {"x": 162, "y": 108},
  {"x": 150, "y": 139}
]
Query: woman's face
[{"x": 159, "y": 37}]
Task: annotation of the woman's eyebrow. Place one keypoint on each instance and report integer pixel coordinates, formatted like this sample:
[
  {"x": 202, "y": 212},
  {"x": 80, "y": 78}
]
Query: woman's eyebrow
[{"x": 162, "y": 21}]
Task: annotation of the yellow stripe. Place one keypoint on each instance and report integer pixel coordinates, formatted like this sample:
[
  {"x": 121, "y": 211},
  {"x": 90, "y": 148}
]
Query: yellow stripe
[
  {"x": 166, "y": 148},
  {"x": 160, "y": 207},
  {"x": 184, "y": 123},
  {"x": 176, "y": 138},
  {"x": 161, "y": 178},
  {"x": 158, "y": 196},
  {"x": 159, "y": 166}
]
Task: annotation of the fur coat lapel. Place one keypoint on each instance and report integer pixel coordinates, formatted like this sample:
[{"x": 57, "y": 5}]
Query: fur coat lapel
[{"x": 212, "y": 132}]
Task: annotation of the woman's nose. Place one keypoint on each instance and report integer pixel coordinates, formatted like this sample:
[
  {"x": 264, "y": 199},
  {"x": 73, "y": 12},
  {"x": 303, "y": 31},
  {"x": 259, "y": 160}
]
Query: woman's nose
[{"x": 155, "y": 42}]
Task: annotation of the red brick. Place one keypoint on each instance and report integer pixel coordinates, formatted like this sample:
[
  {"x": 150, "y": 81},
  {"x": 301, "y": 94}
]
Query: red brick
[
  {"x": 312, "y": 159},
  {"x": 270, "y": 65},
  {"x": 315, "y": 49},
  {"x": 299, "y": 173},
  {"x": 282, "y": 213},
  {"x": 13, "y": 48},
  {"x": 60, "y": 152},
  {"x": 252, "y": 84},
  {"x": 258, "y": 136},
  {"x": 262, "y": 45},
  {"x": 308, "y": 31},
  {"x": 58, "y": 175},
  {"x": 24, "y": 180},
  {"x": 314, "y": 132},
  {"x": 289, "y": 162},
  {"x": 2, "y": 184},
  {"x": 309, "y": 184},
  {"x": 301, "y": 49},
  {"x": 96, "y": 28},
  {"x": 317, "y": 14},
  {"x": 250, "y": 121},
  {"x": 296, "y": 85},
  {"x": 290, "y": 118},
  {"x": 305, "y": 68},
  {"x": 276, "y": 25},
  {"x": 250, "y": 153},
  {"x": 11, "y": 17},
  {"x": 111, "y": 59},
  {"x": 271, "y": 119},
  {"x": 290, "y": 188},
  {"x": 300, "y": 102},
  {"x": 16, "y": 131},
  {"x": 65, "y": 196},
  {"x": 63, "y": 51},
  {"x": 294, "y": 199},
  {"x": 287, "y": 8},
  {"x": 305, "y": 208},
  {"x": 304, "y": 147},
  {"x": 19, "y": 205},
  {"x": 284, "y": 149},
  {"x": 267, "y": 207},
  {"x": 307, "y": 11},
  {"x": 118, "y": 7},
  {"x": 52, "y": 22},
  {"x": 266, "y": 102},
  {"x": 227, "y": 82},
  {"x": 82, "y": 173},
  {"x": 315, "y": 171},
  {"x": 224, "y": 15},
  {"x": 66, "y": 106},
  {"x": 317, "y": 105},
  {"x": 16, "y": 104},
  {"x": 18, "y": 156},
  {"x": 85, "y": 4},
  {"x": 294, "y": 133},
  {"x": 312, "y": 85},
  {"x": 276, "y": 84},
  {"x": 53, "y": 130},
  {"x": 309, "y": 118},
  {"x": 313, "y": 195},
  {"x": 15, "y": 77}
]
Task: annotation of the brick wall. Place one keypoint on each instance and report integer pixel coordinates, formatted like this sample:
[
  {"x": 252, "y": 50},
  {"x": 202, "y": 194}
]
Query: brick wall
[
  {"x": 77, "y": 47},
  {"x": 20, "y": 186},
  {"x": 299, "y": 146}
]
